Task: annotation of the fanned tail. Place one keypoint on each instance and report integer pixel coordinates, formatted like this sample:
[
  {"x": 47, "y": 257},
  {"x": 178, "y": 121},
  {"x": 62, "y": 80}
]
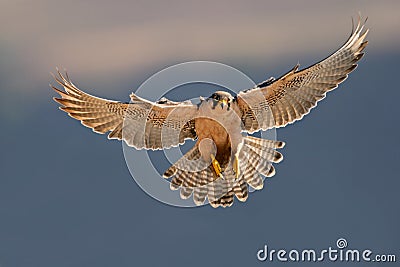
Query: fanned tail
[{"x": 195, "y": 177}]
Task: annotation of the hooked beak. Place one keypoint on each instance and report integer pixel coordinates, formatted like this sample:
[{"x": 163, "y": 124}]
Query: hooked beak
[{"x": 224, "y": 103}]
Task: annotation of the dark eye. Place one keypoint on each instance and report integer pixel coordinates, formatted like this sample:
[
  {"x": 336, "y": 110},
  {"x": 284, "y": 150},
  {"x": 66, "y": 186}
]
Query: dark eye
[{"x": 217, "y": 97}]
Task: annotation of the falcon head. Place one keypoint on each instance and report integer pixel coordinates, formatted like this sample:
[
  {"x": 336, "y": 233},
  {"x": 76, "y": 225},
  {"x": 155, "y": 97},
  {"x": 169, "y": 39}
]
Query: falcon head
[{"x": 223, "y": 98}]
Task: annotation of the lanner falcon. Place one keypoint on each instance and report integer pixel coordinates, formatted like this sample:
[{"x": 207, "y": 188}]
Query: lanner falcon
[{"x": 223, "y": 161}]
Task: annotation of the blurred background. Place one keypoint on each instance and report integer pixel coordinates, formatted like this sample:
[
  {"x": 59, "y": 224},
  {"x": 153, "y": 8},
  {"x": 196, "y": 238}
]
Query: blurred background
[{"x": 66, "y": 195}]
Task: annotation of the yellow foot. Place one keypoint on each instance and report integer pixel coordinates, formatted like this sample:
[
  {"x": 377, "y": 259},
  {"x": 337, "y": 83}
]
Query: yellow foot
[
  {"x": 216, "y": 166},
  {"x": 236, "y": 167}
]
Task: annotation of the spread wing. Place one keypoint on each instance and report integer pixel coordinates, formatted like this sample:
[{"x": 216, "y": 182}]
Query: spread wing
[
  {"x": 275, "y": 103},
  {"x": 140, "y": 123}
]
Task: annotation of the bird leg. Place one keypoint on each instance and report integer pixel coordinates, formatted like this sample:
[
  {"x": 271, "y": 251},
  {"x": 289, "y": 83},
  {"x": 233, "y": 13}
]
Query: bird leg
[
  {"x": 235, "y": 166},
  {"x": 216, "y": 166}
]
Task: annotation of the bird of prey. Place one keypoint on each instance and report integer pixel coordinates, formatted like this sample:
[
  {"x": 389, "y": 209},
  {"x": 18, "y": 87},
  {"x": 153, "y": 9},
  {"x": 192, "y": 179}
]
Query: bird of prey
[{"x": 224, "y": 161}]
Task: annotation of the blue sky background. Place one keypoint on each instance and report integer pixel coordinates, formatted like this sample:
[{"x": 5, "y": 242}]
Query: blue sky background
[{"x": 66, "y": 195}]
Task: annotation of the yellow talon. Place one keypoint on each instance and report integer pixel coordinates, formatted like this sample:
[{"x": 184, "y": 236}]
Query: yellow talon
[
  {"x": 216, "y": 166},
  {"x": 236, "y": 167}
]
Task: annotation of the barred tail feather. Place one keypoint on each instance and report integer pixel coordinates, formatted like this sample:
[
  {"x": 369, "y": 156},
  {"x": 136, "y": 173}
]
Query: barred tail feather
[
  {"x": 256, "y": 157},
  {"x": 195, "y": 177}
]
